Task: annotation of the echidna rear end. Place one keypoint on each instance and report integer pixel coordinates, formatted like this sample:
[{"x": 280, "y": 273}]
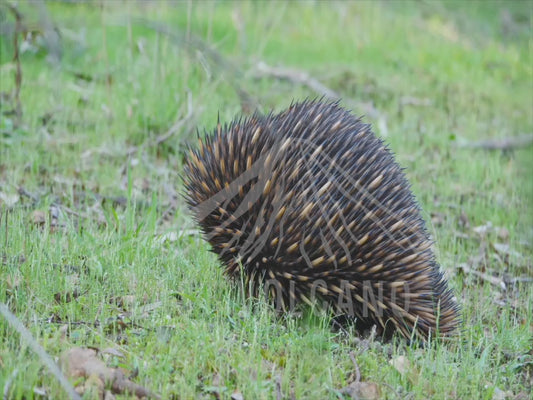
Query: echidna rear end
[{"x": 309, "y": 204}]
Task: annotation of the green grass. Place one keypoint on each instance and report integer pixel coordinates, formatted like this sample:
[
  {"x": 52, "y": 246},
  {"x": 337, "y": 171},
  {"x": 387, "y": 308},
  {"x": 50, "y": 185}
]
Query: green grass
[{"x": 162, "y": 300}]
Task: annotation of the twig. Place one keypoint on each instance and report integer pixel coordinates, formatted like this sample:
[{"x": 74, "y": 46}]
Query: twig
[
  {"x": 356, "y": 366},
  {"x": 298, "y": 77},
  {"x": 69, "y": 210},
  {"x": 279, "y": 394},
  {"x": 506, "y": 143},
  {"x": 23, "y": 192},
  {"x": 524, "y": 279},
  {"x": 305, "y": 79},
  {"x": 36, "y": 347},
  {"x": 486, "y": 277}
]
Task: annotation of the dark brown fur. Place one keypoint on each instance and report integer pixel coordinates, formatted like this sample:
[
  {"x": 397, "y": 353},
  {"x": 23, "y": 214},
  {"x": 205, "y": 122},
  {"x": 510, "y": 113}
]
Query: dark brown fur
[{"x": 310, "y": 204}]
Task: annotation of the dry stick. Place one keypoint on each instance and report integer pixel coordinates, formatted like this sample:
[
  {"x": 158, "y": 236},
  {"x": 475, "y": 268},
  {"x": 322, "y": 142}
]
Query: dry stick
[
  {"x": 477, "y": 260},
  {"x": 296, "y": 76},
  {"x": 357, "y": 370},
  {"x": 486, "y": 277},
  {"x": 36, "y": 347},
  {"x": 303, "y": 78},
  {"x": 279, "y": 394},
  {"x": 506, "y": 143},
  {"x": 517, "y": 279}
]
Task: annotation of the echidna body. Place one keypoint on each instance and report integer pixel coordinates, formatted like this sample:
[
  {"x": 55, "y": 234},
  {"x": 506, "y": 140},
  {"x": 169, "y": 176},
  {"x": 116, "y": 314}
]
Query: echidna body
[{"x": 309, "y": 204}]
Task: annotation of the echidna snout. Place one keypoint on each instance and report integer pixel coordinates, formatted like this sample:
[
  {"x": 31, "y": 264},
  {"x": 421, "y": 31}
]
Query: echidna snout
[{"x": 311, "y": 204}]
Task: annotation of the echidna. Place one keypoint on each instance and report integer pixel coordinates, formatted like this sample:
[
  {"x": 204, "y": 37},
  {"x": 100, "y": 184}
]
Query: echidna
[{"x": 309, "y": 204}]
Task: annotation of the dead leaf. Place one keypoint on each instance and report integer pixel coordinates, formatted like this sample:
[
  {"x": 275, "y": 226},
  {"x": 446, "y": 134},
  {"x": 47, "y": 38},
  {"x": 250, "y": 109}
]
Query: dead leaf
[
  {"x": 499, "y": 394},
  {"x": 362, "y": 390},
  {"x": 236, "y": 395},
  {"x": 401, "y": 363},
  {"x": 9, "y": 200},
  {"x": 504, "y": 249},
  {"x": 80, "y": 362},
  {"x": 503, "y": 234},
  {"x": 496, "y": 281},
  {"x": 38, "y": 217},
  {"x": 93, "y": 387},
  {"x": 39, "y": 391},
  {"x": 216, "y": 388},
  {"x": 358, "y": 389},
  {"x": 109, "y": 396},
  {"x": 63, "y": 330},
  {"x": 482, "y": 230}
]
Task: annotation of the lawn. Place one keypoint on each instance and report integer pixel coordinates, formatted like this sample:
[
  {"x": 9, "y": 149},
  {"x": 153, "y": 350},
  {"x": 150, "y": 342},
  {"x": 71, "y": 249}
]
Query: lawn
[{"x": 97, "y": 248}]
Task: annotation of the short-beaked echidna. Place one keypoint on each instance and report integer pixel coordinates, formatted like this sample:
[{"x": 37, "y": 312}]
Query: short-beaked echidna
[{"x": 309, "y": 204}]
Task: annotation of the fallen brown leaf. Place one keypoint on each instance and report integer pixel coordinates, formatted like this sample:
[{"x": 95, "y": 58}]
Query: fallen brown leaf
[
  {"x": 236, "y": 395},
  {"x": 38, "y": 217},
  {"x": 483, "y": 230},
  {"x": 504, "y": 249},
  {"x": 362, "y": 390},
  {"x": 401, "y": 364},
  {"x": 79, "y": 362},
  {"x": 358, "y": 389},
  {"x": 494, "y": 280},
  {"x": 503, "y": 234},
  {"x": 9, "y": 200}
]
